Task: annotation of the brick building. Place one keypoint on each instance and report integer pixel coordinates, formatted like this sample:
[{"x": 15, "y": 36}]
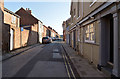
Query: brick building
[
  {"x": 44, "y": 33},
  {"x": 48, "y": 31},
  {"x": 11, "y": 30},
  {"x": 29, "y": 27},
  {"x": 64, "y": 30}
]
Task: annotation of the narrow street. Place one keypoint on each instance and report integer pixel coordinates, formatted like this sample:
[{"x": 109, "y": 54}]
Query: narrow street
[{"x": 48, "y": 60}]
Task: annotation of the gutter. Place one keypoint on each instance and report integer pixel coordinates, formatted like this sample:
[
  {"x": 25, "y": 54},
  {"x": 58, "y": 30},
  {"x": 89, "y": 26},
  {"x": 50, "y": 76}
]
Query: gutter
[{"x": 93, "y": 13}]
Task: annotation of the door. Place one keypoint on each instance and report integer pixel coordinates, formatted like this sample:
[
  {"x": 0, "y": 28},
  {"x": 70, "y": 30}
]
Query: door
[
  {"x": 111, "y": 40},
  {"x": 74, "y": 35},
  {"x": 11, "y": 39},
  {"x": 107, "y": 42}
]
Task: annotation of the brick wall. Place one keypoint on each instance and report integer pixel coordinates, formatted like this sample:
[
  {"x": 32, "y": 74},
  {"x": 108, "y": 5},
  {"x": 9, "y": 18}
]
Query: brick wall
[
  {"x": 5, "y": 38},
  {"x": 14, "y": 26},
  {"x": 24, "y": 37},
  {"x": 30, "y": 36}
]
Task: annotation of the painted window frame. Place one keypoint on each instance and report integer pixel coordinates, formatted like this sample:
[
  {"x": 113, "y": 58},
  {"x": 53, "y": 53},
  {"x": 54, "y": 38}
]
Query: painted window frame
[
  {"x": 90, "y": 31},
  {"x": 78, "y": 7},
  {"x": 93, "y": 2},
  {"x": 79, "y": 34}
]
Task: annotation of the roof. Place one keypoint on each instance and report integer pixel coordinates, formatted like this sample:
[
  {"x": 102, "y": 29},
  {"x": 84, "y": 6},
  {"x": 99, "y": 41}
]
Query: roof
[
  {"x": 5, "y": 9},
  {"x": 27, "y": 13}
]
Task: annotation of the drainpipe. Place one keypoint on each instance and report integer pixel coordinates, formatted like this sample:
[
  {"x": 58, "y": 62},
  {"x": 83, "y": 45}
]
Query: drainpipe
[
  {"x": 20, "y": 37},
  {"x": 91, "y": 54}
]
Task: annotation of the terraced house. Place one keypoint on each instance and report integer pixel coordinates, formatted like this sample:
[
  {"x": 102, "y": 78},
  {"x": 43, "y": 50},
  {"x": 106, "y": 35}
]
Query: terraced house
[
  {"x": 29, "y": 27},
  {"x": 11, "y": 32},
  {"x": 94, "y": 31}
]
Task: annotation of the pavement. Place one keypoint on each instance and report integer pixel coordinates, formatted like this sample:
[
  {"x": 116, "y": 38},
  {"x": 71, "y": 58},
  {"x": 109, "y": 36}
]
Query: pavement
[
  {"x": 17, "y": 52},
  {"x": 83, "y": 67}
]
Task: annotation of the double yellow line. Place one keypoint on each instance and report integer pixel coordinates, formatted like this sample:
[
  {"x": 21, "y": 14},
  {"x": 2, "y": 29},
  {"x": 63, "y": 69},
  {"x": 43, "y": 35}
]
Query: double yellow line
[{"x": 67, "y": 64}]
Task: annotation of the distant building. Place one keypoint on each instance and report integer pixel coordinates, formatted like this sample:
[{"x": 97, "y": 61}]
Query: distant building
[
  {"x": 44, "y": 33},
  {"x": 64, "y": 30},
  {"x": 30, "y": 25},
  {"x": 48, "y": 31}
]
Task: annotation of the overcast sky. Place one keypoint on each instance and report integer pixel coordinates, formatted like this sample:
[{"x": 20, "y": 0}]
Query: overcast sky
[{"x": 50, "y": 13}]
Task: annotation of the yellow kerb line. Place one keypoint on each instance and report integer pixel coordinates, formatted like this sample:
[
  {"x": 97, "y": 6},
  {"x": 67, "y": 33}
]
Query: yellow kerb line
[{"x": 66, "y": 67}]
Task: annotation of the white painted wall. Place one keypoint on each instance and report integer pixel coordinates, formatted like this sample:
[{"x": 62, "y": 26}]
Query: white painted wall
[{"x": 40, "y": 25}]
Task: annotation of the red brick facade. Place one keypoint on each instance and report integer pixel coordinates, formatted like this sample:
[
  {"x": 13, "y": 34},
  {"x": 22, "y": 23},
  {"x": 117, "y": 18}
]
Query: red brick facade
[
  {"x": 14, "y": 24},
  {"x": 29, "y": 35}
]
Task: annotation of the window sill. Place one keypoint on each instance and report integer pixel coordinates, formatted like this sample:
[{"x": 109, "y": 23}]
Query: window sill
[
  {"x": 87, "y": 41},
  {"x": 97, "y": 44}
]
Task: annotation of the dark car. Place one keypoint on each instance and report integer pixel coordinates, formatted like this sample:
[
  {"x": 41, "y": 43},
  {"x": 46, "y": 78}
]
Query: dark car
[
  {"x": 45, "y": 40},
  {"x": 53, "y": 38}
]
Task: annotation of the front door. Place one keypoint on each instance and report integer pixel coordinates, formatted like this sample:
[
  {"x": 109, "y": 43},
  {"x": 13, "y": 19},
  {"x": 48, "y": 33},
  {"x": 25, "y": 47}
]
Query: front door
[
  {"x": 11, "y": 39},
  {"x": 107, "y": 40},
  {"x": 74, "y": 35},
  {"x": 111, "y": 41}
]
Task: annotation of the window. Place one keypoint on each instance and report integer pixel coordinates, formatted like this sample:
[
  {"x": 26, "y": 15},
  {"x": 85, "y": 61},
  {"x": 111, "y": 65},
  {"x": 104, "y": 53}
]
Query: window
[
  {"x": 18, "y": 22},
  {"x": 13, "y": 19},
  {"x": 78, "y": 8},
  {"x": 89, "y": 33},
  {"x": 74, "y": 12}
]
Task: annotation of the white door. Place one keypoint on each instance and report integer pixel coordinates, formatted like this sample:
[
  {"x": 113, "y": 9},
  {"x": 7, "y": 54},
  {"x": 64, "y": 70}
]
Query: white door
[{"x": 11, "y": 39}]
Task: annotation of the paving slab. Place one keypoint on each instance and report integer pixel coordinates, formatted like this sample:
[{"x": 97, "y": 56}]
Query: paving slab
[{"x": 83, "y": 67}]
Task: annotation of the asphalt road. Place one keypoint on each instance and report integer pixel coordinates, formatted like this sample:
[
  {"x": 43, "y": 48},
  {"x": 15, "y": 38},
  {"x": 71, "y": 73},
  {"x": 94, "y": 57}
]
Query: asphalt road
[{"x": 46, "y": 60}]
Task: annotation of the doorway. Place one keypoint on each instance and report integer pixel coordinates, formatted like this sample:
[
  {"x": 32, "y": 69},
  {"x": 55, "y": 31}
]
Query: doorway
[
  {"x": 11, "y": 39},
  {"x": 107, "y": 40},
  {"x": 74, "y": 39},
  {"x": 111, "y": 55}
]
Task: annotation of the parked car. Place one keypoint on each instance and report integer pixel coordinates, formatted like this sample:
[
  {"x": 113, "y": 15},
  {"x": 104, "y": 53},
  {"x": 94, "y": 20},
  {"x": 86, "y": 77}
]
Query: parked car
[
  {"x": 53, "y": 38},
  {"x": 45, "y": 40},
  {"x": 50, "y": 39}
]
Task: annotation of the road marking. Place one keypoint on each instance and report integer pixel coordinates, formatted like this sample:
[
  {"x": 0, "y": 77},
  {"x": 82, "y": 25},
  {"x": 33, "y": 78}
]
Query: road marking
[
  {"x": 70, "y": 68},
  {"x": 66, "y": 67},
  {"x": 65, "y": 57},
  {"x": 55, "y": 50},
  {"x": 56, "y": 55}
]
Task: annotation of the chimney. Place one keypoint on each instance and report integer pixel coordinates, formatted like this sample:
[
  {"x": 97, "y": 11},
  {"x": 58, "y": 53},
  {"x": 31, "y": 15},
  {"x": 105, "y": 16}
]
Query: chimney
[{"x": 28, "y": 10}]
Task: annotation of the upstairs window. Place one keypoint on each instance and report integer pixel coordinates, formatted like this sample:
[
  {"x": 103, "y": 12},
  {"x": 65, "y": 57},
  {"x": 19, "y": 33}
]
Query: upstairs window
[
  {"x": 90, "y": 33},
  {"x": 74, "y": 12},
  {"x": 78, "y": 11},
  {"x": 13, "y": 19}
]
